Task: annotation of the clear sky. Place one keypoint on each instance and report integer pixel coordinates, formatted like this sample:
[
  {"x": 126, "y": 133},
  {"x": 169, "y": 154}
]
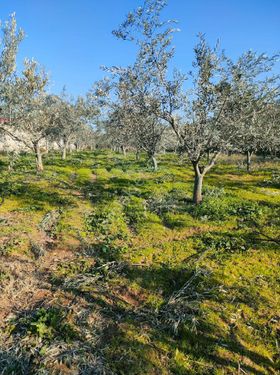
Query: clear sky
[{"x": 72, "y": 38}]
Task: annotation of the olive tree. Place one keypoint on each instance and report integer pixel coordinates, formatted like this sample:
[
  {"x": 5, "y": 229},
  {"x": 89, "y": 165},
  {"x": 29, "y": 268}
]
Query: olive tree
[
  {"x": 23, "y": 99},
  {"x": 224, "y": 98},
  {"x": 140, "y": 133},
  {"x": 9, "y": 43},
  {"x": 148, "y": 136},
  {"x": 154, "y": 98},
  {"x": 67, "y": 122},
  {"x": 255, "y": 90},
  {"x": 225, "y": 107},
  {"x": 271, "y": 135},
  {"x": 85, "y": 138},
  {"x": 132, "y": 126},
  {"x": 208, "y": 127},
  {"x": 10, "y": 39},
  {"x": 30, "y": 110},
  {"x": 114, "y": 115},
  {"x": 202, "y": 128}
]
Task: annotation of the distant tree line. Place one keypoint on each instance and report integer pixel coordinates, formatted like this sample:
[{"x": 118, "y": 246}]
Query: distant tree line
[{"x": 30, "y": 115}]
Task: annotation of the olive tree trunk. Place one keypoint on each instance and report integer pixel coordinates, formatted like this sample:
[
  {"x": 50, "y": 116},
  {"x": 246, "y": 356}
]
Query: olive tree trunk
[
  {"x": 154, "y": 162},
  {"x": 64, "y": 152},
  {"x": 248, "y": 160},
  {"x": 64, "y": 148},
  {"x": 123, "y": 149},
  {"x": 199, "y": 173},
  {"x": 39, "y": 158},
  {"x": 197, "y": 189}
]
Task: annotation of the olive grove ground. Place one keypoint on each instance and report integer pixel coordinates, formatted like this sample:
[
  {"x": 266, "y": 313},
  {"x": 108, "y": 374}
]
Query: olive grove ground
[{"x": 108, "y": 268}]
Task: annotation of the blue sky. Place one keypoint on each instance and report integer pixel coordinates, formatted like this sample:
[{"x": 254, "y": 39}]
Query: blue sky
[{"x": 72, "y": 38}]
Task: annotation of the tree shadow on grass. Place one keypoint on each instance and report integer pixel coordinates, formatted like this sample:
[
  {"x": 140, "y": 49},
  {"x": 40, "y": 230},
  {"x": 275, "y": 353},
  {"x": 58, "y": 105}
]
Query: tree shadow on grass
[
  {"x": 140, "y": 319},
  {"x": 12, "y": 361},
  {"x": 100, "y": 191},
  {"x": 32, "y": 195},
  {"x": 3, "y": 165},
  {"x": 136, "y": 339}
]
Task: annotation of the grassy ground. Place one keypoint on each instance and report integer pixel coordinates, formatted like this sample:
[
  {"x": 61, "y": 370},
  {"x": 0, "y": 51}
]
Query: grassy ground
[{"x": 107, "y": 268}]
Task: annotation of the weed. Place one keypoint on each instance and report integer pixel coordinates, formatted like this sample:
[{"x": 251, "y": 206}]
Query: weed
[
  {"x": 47, "y": 324},
  {"x": 135, "y": 210},
  {"x": 37, "y": 249},
  {"x": 212, "y": 208},
  {"x": 8, "y": 245},
  {"x": 49, "y": 223},
  {"x": 223, "y": 243},
  {"x": 274, "y": 181},
  {"x": 108, "y": 221}
]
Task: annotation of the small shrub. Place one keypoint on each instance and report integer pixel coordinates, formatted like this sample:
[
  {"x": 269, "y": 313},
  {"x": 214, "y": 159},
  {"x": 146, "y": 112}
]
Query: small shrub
[
  {"x": 8, "y": 245},
  {"x": 250, "y": 215},
  {"x": 212, "y": 208},
  {"x": 173, "y": 221},
  {"x": 214, "y": 192},
  {"x": 108, "y": 221},
  {"x": 223, "y": 242},
  {"x": 246, "y": 210},
  {"x": 161, "y": 203},
  {"x": 49, "y": 223},
  {"x": 4, "y": 275},
  {"x": 70, "y": 269},
  {"x": 274, "y": 181},
  {"x": 165, "y": 178},
  {"x": 33, "y": 207},
  {"x": 262, "y": 225},
  {"x": 135, "y": 210},
  {"x": 47, "y": 324},
  {"x": 37, "y": 249},
  {"x": 108, "y": 250},
  {"x": 215, "y": 206}
]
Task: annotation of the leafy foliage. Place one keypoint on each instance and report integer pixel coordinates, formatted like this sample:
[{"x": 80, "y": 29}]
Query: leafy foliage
[
  {"x": 47, "y": 324},
  {"x": 135, "y": 210},
  {"x": 108, "y": 221},
  {"x": 215, "y": 206},
  {"x": 223, "y": 243}
]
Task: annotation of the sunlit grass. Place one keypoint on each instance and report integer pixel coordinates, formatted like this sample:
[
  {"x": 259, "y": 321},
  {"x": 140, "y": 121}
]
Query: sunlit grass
[{"x": 115, "y": 212}]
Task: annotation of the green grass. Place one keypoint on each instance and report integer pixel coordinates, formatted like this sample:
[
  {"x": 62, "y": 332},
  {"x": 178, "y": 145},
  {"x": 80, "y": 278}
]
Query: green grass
[{"x": 125, "y": 242}]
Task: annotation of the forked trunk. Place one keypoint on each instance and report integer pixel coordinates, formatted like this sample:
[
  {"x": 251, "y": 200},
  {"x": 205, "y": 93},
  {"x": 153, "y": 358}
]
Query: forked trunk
[
  {"x": 123, "y": 150},
  {"x": 198, "y": 181},
  {"x": 200, "y": 172}
]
